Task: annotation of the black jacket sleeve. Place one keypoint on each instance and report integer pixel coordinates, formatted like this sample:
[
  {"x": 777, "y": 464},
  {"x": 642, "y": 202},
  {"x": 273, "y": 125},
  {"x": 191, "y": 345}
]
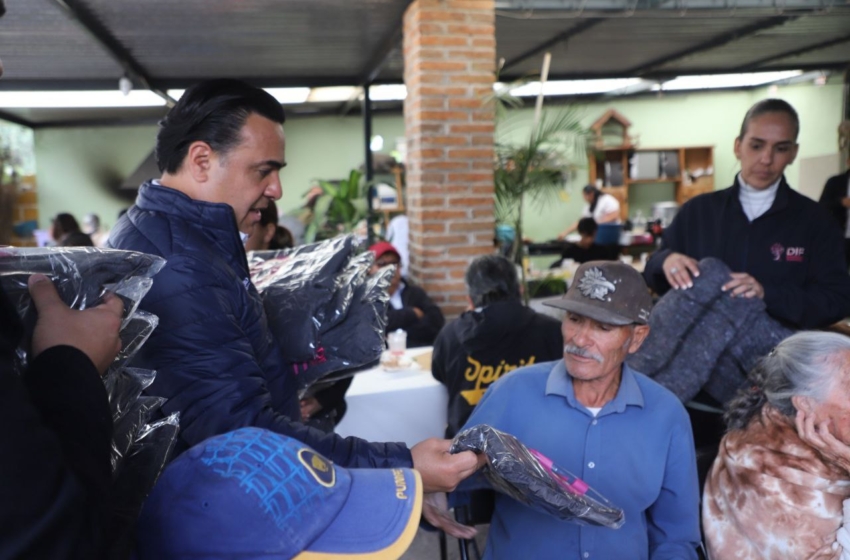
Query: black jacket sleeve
[
  {"x": 333, "y": 397},
  {"x": 833, "y": 193},
  {"x": 420, "y": 332},
  {"x": 55, "y": 430}
]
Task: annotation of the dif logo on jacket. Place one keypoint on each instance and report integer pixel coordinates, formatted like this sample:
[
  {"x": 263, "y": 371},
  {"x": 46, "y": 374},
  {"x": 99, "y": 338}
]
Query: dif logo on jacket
[{"x": 791, "y": 254}]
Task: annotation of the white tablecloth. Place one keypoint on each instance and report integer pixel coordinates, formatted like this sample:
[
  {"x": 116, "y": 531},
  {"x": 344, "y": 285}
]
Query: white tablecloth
[{"x": 406, "y": 406}]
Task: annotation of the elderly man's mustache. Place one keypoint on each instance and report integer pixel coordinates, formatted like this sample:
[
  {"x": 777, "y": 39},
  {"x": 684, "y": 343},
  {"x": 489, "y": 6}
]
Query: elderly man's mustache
[{"x": 581, "y": 352}]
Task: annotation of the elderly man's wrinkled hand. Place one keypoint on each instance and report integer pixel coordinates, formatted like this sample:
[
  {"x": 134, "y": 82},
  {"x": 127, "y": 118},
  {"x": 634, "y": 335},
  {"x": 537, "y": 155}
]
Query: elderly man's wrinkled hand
[
  {"x": 435, "y": 509},
  {"x": 680, "y": 271},
  {"x": 442, "y": 471},
  {"x": 93, "y": 331}
]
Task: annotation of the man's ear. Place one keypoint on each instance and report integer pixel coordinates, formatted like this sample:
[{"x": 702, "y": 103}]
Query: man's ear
[
  {"x": 737, "y": 148},
  {"x": 640, "y": 334},
  {"x": 470, "y": 306},
  {"x": 198, "y": 161}
]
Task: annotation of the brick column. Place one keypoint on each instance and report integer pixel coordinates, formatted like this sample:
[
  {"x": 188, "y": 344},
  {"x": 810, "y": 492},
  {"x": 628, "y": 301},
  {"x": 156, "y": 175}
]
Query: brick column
[{"x": 449, "y": 69}]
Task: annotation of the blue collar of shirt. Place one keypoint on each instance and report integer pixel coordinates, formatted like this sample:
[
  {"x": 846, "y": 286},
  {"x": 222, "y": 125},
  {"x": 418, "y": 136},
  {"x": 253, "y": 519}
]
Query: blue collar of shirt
[{"x": 629, "y": 393}]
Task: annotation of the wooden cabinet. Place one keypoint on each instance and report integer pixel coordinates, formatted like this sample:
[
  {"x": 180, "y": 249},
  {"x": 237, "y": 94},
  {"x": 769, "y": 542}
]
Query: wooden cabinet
[{"x": 621, "y": 169}]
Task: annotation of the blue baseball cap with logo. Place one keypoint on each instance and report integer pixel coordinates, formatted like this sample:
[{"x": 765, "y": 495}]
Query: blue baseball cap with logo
[{"x": 252, "y": 493}]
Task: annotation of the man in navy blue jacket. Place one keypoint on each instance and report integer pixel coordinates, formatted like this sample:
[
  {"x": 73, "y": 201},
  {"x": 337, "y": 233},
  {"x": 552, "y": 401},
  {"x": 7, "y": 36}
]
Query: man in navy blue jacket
[
  {"x": 220, "y": 150},
  {"x": 783, "y": 247}
]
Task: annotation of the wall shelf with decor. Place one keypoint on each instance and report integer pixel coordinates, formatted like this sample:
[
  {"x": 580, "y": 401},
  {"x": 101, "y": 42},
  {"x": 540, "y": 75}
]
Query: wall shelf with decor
[{"x": 617, "y": 165}]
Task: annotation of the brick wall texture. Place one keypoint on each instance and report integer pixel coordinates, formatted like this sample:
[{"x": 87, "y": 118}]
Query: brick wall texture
[{"x": 449, "y": 70}]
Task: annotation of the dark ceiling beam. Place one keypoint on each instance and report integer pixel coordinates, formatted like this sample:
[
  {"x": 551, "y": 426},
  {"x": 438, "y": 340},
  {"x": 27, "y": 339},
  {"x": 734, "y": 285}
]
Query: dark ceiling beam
[
  {"x": 114, "y": 48},
  {"x": 565, "y": 35},
  {"x": 795, "y": 52},
  {"x": 13, "y": 118},
  {"x": 717, "y": 41}
]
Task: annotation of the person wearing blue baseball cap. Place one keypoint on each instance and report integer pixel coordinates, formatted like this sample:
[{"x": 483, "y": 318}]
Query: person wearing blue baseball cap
[{"x": 253, "y": 493}]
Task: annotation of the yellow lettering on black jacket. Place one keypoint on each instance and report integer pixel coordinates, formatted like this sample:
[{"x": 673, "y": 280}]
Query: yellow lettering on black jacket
[{"x": 483, "y": 375}]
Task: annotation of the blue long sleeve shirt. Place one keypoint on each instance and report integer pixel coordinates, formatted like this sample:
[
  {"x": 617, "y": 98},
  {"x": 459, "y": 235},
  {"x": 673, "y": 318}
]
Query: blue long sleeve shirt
[{"x": 638, "y": 452}]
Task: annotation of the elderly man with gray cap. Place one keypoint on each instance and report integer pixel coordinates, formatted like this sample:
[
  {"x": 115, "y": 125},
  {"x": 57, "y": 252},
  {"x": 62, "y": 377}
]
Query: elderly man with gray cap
[{"x": 623, "y": 434}]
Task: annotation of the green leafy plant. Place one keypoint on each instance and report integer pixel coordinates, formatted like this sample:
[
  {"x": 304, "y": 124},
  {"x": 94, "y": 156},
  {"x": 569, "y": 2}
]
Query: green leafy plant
[
  {"x": 340, "y": 207},
  {"x": 536, "y": 168}
]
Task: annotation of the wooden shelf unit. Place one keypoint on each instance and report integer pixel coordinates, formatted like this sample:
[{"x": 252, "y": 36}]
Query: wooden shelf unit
[{"x": 691, "y": 160}]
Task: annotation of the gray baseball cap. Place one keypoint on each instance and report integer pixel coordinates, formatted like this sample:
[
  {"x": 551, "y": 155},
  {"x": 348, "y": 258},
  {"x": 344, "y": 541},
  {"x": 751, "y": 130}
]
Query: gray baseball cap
[{"x": 609, "y": 292}]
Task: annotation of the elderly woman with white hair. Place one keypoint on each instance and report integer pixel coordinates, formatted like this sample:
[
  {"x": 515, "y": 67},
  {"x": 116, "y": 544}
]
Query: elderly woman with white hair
[{"x": 778, "y": 486}]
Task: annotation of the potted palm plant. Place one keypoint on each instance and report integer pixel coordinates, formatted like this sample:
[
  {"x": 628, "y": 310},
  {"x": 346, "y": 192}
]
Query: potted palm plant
[{"x": 534, "y": 165}]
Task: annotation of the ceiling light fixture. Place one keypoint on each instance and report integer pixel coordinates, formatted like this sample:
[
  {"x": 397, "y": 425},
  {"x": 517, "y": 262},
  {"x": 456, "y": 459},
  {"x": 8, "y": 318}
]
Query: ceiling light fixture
[
  {"x": 573, "y": 87},
  {"x": 721, "y": 81},
  {"x": 284, "y": 96},
  {"x": 334, "y": 94},
  {"x": 388, "y": 92},
  {"x": 125, "y": 85}
]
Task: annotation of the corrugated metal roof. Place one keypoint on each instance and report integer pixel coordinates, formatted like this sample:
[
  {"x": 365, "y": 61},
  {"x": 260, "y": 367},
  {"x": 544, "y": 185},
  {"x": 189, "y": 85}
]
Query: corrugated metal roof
[
  {"x": 37, "y": 40},
  {"x": 321, "y": 42}
]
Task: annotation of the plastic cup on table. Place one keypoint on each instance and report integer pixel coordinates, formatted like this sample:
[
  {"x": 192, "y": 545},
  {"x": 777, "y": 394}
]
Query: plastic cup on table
[{"x": 397, "y": 342}]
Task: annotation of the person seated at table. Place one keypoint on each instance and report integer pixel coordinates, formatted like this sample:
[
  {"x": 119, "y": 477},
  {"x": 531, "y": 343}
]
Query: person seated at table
[
  {"x": 602, "y": 207},
  {"x": 496, "y": 335},
  {"x": 623, "y": 434},
  {"x": 410, "y": 307},
  {"x": 585, "y": 249},
  {"x": 781, "y": 246},
  {"x": 779, "y": 486}
]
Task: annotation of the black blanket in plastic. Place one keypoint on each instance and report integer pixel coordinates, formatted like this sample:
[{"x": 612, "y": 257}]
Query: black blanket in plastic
[
  {"x": 325, "y": 311},
  {"x": 532, "y": 479},
  {"x": 140, "y": 447}
]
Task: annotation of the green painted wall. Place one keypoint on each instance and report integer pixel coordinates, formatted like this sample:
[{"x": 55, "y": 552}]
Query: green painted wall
[
  {"x": 76, "y": 167},
  {"x": 79, "y": 169}
]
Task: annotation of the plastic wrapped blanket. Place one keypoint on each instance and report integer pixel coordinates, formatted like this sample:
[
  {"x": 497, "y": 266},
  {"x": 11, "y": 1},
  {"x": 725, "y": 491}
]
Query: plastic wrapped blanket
[
  {"x": 81, "y": 276},
  {"x": 327, "y": 314},
  {"x": 532, "y": 479},
  {"x": 140, "y": 445}
]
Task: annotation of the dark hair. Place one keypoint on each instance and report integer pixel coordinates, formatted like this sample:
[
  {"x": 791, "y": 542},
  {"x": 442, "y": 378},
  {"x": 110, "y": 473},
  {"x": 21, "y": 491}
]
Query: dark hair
[
  {"x": 802, "y": 364},
  {"x": 282, "y": 239},
  {"x": 770, "y": 106},
  {"x": 587, "y": 226},
  {"x": 64, "y": 224},
  {"x": 491, "y": 278},
  {"x": 590, "y": 189},
  {"x": 268, "y": 215},
  {"x": 213, "y": 112}
]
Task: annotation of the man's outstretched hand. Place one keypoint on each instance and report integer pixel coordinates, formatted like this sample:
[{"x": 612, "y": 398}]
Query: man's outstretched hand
[
  {"x": 441, "y": 471},
  {"x": 93, "y": 331}
]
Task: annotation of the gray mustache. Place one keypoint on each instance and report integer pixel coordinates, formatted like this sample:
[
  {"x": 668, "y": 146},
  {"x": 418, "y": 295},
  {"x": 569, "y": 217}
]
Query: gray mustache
[{"x": 581, "y": 352}]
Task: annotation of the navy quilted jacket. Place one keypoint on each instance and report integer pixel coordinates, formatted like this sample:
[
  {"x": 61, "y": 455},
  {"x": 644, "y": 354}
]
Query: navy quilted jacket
[{"x": 216, "y": 361}]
